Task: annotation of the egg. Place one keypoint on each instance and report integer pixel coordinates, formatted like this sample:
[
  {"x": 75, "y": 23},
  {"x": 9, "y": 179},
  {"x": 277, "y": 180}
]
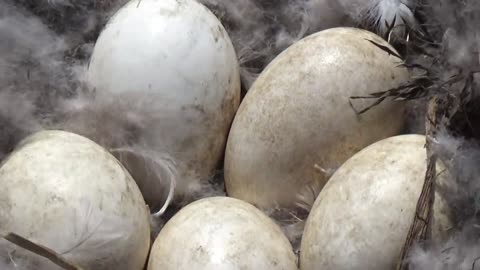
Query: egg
[
  {"x": 296, "y": 120},
  {"x": 221, "y": 233},
  {"x": 63, "y": 191},
  {"x": 174, "y": 58},
  {"x": 362, "y": 217}
]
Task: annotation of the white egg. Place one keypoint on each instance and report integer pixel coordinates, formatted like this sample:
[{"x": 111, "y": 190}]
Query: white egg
[
  {"x": 65, "y": 192},
  {"x": 297, "y": 118},
  {"x": 221, "y": 233},
  {"x": 362, "y": 217},
  {"x": 177, "y": 58}
]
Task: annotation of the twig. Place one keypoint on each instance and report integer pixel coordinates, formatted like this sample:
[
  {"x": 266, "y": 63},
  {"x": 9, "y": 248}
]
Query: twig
[
  {"x": 420, "y": 228},
  {"x": 39, "y": 250}
]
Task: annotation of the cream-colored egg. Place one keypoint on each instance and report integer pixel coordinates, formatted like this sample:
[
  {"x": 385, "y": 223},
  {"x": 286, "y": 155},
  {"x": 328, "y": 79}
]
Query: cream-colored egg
[
  {"x": 297, "y": 116},
  {"x": 65, "y": 192},
  {"x": 221, "y": 233},
  {"x": 177, "y": 59},
  {"x": 362, "y": 217}
]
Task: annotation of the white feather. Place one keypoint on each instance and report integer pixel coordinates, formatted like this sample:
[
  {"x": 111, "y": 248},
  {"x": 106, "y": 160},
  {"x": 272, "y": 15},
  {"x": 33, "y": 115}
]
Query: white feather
[
  {"x": 116, "y": 122},
  {"x": 85, "y": 237},
  {"x": 398, "y": 12},
  {"x": 374, "y": 14}
]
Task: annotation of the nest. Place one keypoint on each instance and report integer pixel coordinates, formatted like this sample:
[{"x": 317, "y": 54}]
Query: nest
[{"x": 448, "y": 86}]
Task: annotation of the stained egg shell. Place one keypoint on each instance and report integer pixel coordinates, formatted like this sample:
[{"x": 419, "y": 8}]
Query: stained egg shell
[
  {"x": 65, "y": 192},
  {"x": 221, "y": 233},
  {"x": 176, "y": 55},
  {"x": 297, "y": 116},
  {"x": 362, "y": 216}
]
